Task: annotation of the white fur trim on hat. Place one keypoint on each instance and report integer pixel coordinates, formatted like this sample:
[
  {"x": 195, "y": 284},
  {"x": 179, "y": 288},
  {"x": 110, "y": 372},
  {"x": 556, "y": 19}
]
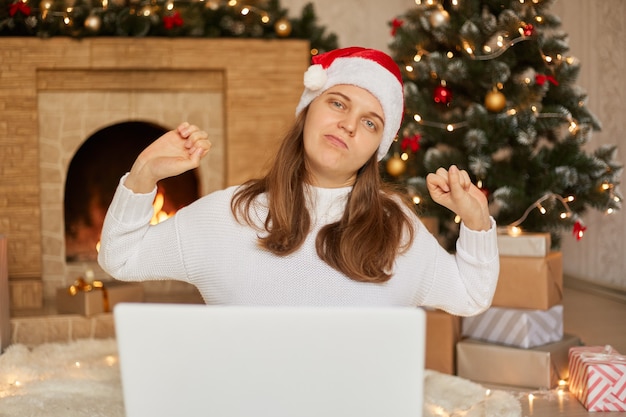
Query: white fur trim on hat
[
  {"x": 315, "y": 77},
  {"x": 364, "y": 73}
]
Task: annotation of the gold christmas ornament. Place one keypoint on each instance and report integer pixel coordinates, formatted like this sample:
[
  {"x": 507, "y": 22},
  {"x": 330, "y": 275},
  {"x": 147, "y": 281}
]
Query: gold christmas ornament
[
  {"x": 495, "y": 101},
  {"x": 395, "y": 166},
  {"x": 282, "y": 27},
  {"x": 439, "y": 18},
  {"x": 93, "y": 23},
  {"x": 212, "y": 4}
]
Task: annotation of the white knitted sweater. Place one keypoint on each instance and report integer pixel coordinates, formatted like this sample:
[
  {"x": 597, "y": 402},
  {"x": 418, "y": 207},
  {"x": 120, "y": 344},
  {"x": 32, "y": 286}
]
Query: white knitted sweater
[{"x": 203, "y": 244}]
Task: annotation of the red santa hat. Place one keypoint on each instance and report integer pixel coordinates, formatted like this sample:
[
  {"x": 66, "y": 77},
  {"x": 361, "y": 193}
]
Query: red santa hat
[{"x": 369, "y": 69}]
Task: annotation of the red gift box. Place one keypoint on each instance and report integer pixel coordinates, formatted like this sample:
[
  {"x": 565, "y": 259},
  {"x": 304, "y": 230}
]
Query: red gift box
[{"x": 597, "y": 377}]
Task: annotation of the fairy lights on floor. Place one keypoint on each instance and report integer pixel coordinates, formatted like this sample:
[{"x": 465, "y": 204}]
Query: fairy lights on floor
[{"x": 21, "y": 379}]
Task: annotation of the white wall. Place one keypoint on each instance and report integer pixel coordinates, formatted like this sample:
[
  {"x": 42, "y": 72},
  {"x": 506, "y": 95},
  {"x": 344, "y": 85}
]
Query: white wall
[
  {"x": 356, "y": 22},
  {"x": 596, "y": 32},
  {"x": 596, "y": 36}
]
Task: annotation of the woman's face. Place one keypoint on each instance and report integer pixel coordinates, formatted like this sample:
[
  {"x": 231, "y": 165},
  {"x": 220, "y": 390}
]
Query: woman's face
[{"x": 342, "y": 130}]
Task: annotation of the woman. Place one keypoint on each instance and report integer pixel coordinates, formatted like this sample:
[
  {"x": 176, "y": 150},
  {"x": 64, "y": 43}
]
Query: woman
[{"x": 320, "y": 228}]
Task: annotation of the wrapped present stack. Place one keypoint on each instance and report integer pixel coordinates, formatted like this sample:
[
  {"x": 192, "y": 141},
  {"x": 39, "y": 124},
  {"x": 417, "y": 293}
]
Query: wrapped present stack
[{"x": 519, "y": 340}]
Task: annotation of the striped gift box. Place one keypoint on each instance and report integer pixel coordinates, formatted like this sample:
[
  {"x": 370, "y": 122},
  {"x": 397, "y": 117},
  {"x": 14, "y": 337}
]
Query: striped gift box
[
  {"x": 597, "y": 377},
  {"x": 516, "y": 327}
]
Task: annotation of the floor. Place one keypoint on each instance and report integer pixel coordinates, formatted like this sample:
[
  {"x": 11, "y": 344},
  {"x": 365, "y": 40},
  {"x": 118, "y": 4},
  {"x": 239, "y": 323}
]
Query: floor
[{"x": 598, "y": 318}]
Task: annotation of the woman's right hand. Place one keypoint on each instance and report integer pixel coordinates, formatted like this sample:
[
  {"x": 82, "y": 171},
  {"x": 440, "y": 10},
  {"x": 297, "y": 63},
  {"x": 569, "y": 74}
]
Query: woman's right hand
[{"x": 175, "y": 152}]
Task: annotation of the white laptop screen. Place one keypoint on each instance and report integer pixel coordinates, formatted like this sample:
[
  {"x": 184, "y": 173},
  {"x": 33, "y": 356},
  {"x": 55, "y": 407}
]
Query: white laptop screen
[{"x": 196, "y": 360}]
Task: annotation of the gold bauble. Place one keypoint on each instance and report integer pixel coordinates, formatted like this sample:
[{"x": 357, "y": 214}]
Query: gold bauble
[
  {"x": 93, "y": 23},
  {"x": 282, "y": 27},
  {"x": 395, "y": 166},
  {"x": 495, "y": 101},
  {"x": 212, "y": 4},
  {"x": 439, "y": 18}
]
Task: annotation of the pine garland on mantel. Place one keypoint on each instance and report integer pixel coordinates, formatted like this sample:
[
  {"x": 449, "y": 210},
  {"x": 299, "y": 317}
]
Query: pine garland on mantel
[{"x": 165, "y": 18}]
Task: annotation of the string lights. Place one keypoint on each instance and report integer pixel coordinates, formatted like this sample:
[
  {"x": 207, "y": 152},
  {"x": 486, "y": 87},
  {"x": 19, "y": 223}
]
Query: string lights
[
  {"x": 578, "y": 231},
  {"x": 68, "y": 14}
]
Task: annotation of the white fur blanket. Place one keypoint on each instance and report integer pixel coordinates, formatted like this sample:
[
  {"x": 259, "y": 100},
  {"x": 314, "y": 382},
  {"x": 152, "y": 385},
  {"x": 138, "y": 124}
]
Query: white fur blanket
[{"x": 82, "y": 379}]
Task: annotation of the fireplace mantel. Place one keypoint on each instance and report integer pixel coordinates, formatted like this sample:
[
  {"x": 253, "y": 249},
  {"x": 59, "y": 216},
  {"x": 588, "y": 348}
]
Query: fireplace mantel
[{"x": 259, "y": 82}]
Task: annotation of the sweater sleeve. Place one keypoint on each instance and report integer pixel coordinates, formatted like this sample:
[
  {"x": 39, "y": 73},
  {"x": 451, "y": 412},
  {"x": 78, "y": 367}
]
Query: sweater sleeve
[
  {"x": 462, "y": 283},
  {"x": 133, "y": 250}
]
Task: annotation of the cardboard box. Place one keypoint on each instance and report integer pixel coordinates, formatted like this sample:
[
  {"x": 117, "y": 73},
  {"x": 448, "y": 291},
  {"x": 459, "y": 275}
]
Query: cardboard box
[
  {"x": 98, "y": 300},
  {"x": 598, "y": 377},
  {"x": 443, "y": 331},
  {"x": 539, "y": 368},
  {"x": 516, "y": 327},
  {"x": 530, "y": 282},
  {"x": 525, "y": 244}
]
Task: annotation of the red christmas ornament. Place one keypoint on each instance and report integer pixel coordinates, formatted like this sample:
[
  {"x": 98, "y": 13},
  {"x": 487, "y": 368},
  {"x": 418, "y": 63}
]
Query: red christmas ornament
[
  {"x": 174, "y": 20},
  {"x": 579, "y": 230},
  {"x": 442, "y": 94},
  {"x": 19, "y": 6},
  {"x": 395, "y": 25},
  {"x": 541, "y": 79},
  {"x": 528, "y": 30},
  {"x": 412, "y": 142}
]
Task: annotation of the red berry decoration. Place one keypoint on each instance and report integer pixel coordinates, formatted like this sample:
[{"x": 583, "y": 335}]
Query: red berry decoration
[
  {"x": 442, "y": 95},
  {"x": 579, "y": 230},
  {"x": 528, "y": 30}
]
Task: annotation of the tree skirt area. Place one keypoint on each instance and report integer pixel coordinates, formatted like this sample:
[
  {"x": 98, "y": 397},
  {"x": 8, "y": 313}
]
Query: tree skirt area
[{"x": 82, "y": 379}]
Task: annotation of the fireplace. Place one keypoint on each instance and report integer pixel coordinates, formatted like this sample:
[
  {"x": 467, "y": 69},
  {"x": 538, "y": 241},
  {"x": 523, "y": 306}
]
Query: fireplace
[
  {"x": 58, "y": 94},
  {"x": 97, "y": 135},
  {"x": 93, "y": 175}
]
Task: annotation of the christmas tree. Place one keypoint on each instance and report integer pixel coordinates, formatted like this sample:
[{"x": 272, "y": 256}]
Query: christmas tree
[
  {"x": 172, "y": 18},
  {"x": 490, "y": 87}
]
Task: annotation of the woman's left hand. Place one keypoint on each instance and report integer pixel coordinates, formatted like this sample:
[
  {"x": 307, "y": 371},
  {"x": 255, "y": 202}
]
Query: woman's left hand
[{"x": 454, "y": 190}]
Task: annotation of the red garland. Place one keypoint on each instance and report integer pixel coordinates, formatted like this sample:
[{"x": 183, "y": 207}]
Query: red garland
[
  {"x": 541, "y": 79},
  {"x": 19, "y": 6},
  {"x": 579, "y": 230},
  {"x": 412, "y": 142},
  {"x": 169, "y": 22},
  {"x": 395, "y": 25}
]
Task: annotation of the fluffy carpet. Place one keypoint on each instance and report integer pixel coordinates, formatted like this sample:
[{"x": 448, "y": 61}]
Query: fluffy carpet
[{"x": 82, "y": 379}]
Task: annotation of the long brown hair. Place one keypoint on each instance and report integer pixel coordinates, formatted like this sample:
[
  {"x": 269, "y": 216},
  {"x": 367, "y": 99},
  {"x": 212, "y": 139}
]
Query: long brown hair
[{"x": 374, "y": 229}]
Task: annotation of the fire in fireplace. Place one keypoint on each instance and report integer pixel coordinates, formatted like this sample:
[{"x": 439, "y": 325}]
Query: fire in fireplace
[{"x": 92, "y": 178}]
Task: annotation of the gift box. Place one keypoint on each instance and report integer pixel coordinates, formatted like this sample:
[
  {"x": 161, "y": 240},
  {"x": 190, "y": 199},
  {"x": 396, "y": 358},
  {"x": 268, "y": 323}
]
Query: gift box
[
  {"x": 530, "y": 282},
  {"x": 598, "y": 377},
  {"x": 99, "y": 297},
  {"x": 541, "y": 367},
  {"x": 525, "y": 244},
  {"x": 443, "y": 331},
  {"x": 516, "y": 327}
]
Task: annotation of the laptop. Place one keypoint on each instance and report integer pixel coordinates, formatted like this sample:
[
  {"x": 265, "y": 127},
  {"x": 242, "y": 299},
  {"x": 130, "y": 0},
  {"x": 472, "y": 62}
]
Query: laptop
[{"x": 198, "y": 360}]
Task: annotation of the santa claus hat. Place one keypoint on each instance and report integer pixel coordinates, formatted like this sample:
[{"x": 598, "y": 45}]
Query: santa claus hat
[{"x": 370, "y": 69}]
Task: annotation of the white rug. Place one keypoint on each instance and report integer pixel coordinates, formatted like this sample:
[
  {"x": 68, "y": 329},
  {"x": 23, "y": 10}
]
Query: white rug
[{"x": 82, "y": 379}]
